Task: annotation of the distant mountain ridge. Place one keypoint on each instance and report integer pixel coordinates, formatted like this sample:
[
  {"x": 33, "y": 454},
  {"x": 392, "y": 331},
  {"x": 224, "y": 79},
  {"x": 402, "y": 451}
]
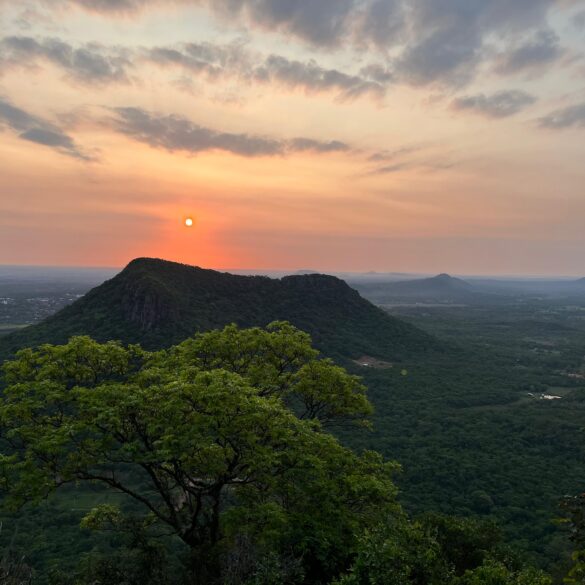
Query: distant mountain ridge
[
  {"x": 442, "y": 283},
  {"x": 158, "y": 303},
  {"x": 441, "y": 287}
]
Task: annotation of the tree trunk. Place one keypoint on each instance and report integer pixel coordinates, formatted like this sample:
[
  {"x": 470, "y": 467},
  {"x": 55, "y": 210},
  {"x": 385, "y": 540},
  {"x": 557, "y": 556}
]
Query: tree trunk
[{"x": 204, "y": 566}]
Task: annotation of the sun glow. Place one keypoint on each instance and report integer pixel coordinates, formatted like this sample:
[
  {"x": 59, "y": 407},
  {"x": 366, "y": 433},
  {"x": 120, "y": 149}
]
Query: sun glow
[{"x": 189, "y": 222}]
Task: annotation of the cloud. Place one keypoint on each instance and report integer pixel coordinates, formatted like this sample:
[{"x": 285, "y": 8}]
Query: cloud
[
  {"x": 217, "y": 61},
  {"x": 447, "y": 56},
  {"x": 96, "y": 64},
  {"x": 579, "y": 20},
  {"x": 543, "y": 49},
  {"x": 389, "y": 169},
  {"x": 418, "y": 42},
  {"x": 34, "y": 129},
  {"x": 91, "y": 63},
  {"x": 176, "y": 133},
  {"x": 391, "y": 155},
  {"x": 304, "y": 144},
  {"x": 112, "y": 6},
  {"x": 408, "y": 158},
  {"x": 428, "y": 166},
  {"x": 570, "y": 117},
  {"x": 380, "y": 23},
  {"x": 498, "y": 105},
  {"x": 320, "y": 22},
  {"x": 431, "y": 165},
  {"x": 447, "y": 38},
  {"x": 379, "y": 73},
  {"x": 202, "y": 58},
  {"x": 313, "y": 78}
]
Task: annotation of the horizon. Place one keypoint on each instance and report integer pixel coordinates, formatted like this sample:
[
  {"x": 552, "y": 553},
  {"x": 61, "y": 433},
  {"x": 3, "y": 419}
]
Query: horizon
[
  {"x": 355, "y": 135},
  {"x": 268, "y": 271}
]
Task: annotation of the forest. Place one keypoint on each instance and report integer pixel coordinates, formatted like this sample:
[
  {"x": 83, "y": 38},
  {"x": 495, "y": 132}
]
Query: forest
[
  {"x": 211, "y": 462},
  {"x": 450, "y": 396}
]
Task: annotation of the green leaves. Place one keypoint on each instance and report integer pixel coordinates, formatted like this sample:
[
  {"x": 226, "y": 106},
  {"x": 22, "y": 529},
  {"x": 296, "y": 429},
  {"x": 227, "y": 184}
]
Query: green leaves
[
  {"x": 496, "y": 573},
  {"x": 327, "y": 393},
  {"x": 217, "y": 437},
  {"x": 278, "y": 361},
  {"x": 398, "y": 552}
]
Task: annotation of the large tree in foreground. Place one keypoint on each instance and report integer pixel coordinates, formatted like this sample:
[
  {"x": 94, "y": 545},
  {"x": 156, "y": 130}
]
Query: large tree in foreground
[{"x": 220, "y": 440}]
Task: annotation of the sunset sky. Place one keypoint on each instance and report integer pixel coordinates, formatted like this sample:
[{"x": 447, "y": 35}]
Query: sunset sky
[{"x": 389, "y": 135}]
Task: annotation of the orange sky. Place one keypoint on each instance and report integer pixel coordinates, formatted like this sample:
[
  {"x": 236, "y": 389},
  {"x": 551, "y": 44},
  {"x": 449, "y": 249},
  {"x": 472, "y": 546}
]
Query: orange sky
[{"x": 399, "y": 135}]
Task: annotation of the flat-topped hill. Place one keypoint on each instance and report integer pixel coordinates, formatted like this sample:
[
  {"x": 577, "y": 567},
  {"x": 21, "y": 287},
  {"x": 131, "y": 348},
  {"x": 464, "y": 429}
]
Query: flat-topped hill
[{"x": 158, "y": 303}]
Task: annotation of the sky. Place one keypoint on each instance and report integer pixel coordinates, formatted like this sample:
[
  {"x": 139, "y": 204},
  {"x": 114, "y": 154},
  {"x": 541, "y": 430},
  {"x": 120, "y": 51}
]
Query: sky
[{"x": 355, "y": 135}]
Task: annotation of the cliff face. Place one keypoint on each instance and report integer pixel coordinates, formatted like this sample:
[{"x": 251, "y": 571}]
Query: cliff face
[
  {"x": 159, "y": 303},
  {"x": 148, "y": 304}
]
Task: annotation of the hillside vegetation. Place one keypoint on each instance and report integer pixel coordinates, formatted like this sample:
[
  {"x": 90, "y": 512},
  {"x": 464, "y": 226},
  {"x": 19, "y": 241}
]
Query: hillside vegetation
[
  {"x": 458, "y": 407},
  {"x": 218, "y": 447},
  {"x": 159, "y": 303}
]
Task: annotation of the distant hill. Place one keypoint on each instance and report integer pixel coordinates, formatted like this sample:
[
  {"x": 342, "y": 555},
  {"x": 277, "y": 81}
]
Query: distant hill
[
  {"x": 158, "y": 303},
  {"x": 442, "y": 287},
  {"x": 439, "y": 283},
  {"x": 443, "y": 284}
]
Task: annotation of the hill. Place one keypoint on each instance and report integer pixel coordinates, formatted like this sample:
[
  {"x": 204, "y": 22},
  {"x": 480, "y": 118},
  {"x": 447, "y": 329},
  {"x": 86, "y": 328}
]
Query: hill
[
  {"x": 440, "y": 284},
  {"x": 441, "y": 287},
  {"x": 158, "y": 303}
]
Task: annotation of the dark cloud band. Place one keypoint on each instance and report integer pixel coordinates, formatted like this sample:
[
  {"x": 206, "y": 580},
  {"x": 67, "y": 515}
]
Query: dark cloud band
[{"x": 177, "y": 133}]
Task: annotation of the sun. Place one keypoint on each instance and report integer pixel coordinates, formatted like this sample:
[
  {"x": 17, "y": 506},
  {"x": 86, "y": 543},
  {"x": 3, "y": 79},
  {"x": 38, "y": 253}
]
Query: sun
[{"x": 189, "y": 222}]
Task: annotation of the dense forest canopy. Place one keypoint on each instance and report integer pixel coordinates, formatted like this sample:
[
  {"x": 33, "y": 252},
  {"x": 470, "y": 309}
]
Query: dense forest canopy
[
  {"x": 158, "y": 303},
  {"x": 220, "y": 447}
]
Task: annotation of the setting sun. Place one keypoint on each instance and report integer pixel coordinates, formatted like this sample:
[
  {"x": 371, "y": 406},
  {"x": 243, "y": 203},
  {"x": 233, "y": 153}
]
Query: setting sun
[{"x": 189, "y": 222}]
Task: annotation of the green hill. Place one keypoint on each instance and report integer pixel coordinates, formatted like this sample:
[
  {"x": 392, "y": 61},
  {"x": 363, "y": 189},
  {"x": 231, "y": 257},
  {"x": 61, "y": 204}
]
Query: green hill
[
  {"x": 441, "y": 287},
  {"x": 158, "y": 303}
]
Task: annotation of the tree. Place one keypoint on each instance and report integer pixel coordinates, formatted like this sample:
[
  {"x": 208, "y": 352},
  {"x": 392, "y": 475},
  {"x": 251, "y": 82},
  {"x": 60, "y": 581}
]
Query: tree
[
  {"x": 496, "y": 573},
  {"x": 219, "y": 439},
  {"x": 398, "y": 553},
  {"x": 436, "y": 550},
  {"x": 574, "y": 507}
]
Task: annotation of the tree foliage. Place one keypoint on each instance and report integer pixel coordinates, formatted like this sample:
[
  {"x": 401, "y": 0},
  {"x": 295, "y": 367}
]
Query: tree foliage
[
  {"x": 219, "y": 438},
  {"x": 437, "y": 550}
]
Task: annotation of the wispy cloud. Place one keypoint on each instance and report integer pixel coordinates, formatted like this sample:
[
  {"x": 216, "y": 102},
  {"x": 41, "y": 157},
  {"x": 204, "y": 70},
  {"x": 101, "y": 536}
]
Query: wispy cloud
[
  {"x": 38, "y": 130},
  {"x": 224, "y": 61},
  {"x": 98, "y": 64},
  {"x": 541, "y": 50},
  {"x": 177, "y": 133},
  {"x": 313, "y": 78},
  {"x": 91, "y": 63},
  {"x": 502, "y": 104},
  {"x": 411, "y": 157},
  {"x": 391, "y": 155},
  {"x": 569, "y": 117}
]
